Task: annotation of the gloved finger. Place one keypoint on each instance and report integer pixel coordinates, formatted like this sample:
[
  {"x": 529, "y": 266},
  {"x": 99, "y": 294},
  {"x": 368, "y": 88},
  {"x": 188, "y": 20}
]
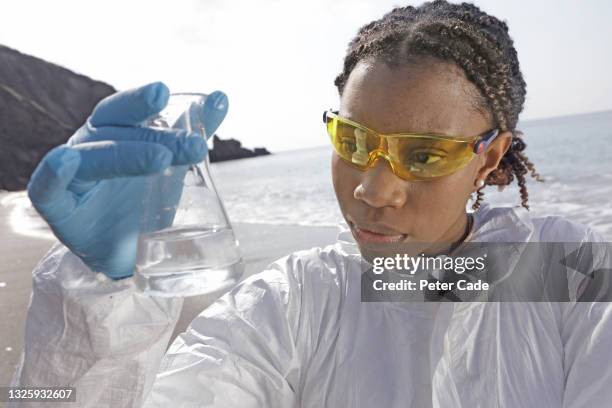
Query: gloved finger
[
  {"x": 110, "y": 159},
  {"x": 186, "y": 148},
  {"x": 48, "y": 184},
  {"x": 215, "y": 110},
  {"x": 131, "y": 107}
]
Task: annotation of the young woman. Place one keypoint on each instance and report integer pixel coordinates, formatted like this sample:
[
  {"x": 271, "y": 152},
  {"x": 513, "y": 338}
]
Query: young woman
[{"x": 430, "y": 99}]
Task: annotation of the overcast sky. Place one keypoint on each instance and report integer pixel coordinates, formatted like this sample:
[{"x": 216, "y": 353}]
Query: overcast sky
[{"x": 277, "y": 59}]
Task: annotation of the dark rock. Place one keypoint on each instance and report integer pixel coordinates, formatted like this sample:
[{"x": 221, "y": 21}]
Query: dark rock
[
  {"x": 261, "y": 151},
  {"x": 41, "y": 105},
  {"x": 230, "y": 149}
]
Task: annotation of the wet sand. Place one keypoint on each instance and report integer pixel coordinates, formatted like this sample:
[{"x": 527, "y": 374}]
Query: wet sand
[{"x": 260, "y": 243}]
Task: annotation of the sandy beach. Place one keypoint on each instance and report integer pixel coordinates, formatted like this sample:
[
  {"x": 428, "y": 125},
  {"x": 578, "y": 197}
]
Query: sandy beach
[{"x": 260, "y": 243}]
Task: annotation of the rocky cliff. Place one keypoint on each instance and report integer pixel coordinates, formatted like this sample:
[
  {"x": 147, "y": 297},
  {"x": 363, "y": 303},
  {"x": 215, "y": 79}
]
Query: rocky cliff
[{"x": 41, "y": 105}]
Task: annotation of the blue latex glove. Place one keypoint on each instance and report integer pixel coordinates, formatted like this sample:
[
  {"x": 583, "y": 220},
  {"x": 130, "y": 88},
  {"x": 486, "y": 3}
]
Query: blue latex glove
[{"x": 90, "y": 191}]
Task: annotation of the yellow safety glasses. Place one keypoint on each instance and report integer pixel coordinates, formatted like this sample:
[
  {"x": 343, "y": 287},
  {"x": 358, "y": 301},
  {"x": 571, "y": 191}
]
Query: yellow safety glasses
[{"x": 413, "y": 157}]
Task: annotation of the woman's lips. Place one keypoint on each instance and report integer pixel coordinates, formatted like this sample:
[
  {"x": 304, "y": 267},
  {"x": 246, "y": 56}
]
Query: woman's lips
[{"x": 366, "y": 236}]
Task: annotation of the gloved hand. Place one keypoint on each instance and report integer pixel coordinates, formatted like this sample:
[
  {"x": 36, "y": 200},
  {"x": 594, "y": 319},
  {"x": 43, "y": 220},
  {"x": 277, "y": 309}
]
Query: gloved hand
[{"x": 90, "y": 191}]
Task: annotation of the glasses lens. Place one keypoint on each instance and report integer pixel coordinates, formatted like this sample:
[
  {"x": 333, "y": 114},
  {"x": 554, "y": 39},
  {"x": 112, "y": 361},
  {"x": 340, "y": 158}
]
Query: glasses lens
[
  {"x": 414, "y": 157},
  {"x": 351, "y": 143},
  {"x": 425, "y": 157}
]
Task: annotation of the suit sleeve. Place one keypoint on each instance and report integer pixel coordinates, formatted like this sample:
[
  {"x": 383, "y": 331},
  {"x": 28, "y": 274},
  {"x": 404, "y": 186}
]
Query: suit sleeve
[
  {"x": 87, "y": 331},
  {"x": 108, "y": 341},
  {"x": 240, "y": 351}
]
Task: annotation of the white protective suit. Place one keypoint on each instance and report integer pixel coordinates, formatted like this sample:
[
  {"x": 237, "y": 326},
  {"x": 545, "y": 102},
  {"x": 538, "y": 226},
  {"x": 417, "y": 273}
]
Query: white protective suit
[{"x": 297, "y": 334}]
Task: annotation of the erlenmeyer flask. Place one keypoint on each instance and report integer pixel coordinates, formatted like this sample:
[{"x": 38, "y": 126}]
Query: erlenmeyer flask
[{"x": 186, "y": 245}]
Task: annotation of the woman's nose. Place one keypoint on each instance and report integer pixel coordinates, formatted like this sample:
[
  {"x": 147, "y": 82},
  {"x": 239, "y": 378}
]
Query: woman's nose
[{"x": 379, "y": 187}]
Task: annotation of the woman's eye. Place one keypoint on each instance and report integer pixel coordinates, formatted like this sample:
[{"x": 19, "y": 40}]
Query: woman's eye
[
  {"x": 426, "y": 157},
  {"x": 348, "y": 144}
]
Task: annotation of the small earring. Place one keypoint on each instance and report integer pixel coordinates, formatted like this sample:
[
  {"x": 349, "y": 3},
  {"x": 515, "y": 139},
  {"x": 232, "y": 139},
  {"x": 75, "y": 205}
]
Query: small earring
[{"x": 480, "y": 183}]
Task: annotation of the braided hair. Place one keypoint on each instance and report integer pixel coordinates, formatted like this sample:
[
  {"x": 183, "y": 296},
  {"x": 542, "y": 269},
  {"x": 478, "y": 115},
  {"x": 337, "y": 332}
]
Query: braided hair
[{"x": 473, "y": 40}]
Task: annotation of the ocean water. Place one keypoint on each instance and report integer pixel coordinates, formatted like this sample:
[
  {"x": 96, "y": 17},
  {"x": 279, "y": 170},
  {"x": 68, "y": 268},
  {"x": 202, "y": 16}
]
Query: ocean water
[{"x": 573, "y": 154}]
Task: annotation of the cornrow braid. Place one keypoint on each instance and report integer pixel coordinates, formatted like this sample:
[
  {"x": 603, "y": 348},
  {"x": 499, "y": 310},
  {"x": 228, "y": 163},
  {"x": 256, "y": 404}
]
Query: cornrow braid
[{"x": 473, "y": 40}]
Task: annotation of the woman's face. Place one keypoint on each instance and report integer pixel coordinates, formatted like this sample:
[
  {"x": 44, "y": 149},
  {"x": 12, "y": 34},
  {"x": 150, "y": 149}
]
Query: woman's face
[{"x": 431, "y": 97}]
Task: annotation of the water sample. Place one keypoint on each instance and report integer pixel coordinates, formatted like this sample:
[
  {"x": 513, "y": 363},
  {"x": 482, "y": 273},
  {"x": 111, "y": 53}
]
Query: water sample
[{"x": 186, "y": 246}]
